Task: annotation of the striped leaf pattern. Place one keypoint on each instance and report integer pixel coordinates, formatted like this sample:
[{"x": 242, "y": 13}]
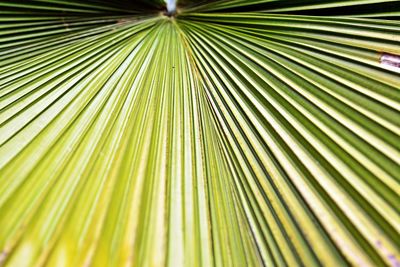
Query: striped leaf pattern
[
  {"x": 350, "y": 8},
  {"x": 237, "y": 133}
]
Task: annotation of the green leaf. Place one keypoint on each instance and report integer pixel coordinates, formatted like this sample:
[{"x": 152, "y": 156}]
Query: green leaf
[{"x": 234, "y": 133}]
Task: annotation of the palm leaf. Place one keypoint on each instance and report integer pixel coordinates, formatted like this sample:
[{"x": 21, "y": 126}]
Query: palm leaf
[{"x": 237, "y": 133}]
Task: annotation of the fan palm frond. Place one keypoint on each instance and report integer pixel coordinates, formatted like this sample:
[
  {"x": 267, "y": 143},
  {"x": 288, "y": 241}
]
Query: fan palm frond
[{"x": 235, "y": 133}]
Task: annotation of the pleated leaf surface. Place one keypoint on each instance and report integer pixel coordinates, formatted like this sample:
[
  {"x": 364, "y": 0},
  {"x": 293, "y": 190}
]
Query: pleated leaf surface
[{"x": 235, "y": 133}]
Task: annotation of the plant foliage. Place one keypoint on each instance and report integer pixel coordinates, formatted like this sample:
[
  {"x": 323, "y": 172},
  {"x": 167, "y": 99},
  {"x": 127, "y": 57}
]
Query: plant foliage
[{"x": 236, "y": 133}]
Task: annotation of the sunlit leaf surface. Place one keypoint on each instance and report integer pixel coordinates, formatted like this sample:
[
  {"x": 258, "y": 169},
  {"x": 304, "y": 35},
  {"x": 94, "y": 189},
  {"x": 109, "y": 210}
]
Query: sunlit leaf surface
[{"x": 236, "y": 133}]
